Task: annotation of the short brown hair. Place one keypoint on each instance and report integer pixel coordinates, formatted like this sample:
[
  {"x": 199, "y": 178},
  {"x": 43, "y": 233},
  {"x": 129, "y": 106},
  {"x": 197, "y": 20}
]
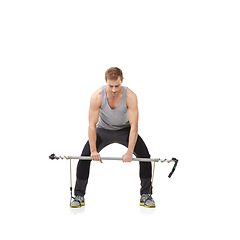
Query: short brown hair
[{"x": 113, "y": 73}]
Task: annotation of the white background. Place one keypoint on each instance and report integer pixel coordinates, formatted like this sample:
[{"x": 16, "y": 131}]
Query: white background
[{"x": 182, "y": 60}]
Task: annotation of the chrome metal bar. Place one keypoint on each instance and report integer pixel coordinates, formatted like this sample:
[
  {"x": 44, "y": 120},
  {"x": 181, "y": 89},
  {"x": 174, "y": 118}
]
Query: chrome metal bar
[{"x": 53, "y": 156}]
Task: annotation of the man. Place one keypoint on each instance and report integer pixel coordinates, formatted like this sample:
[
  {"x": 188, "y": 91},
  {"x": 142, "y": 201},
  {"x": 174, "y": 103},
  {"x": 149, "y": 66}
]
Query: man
[{"x": 113, "y": 118}]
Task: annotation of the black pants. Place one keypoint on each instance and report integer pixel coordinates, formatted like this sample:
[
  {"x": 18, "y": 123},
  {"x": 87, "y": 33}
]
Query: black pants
[{"x": 104, "y": 138}]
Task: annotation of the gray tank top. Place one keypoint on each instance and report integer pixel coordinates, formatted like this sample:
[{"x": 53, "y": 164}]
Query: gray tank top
[{"x": 113, "y": 119}]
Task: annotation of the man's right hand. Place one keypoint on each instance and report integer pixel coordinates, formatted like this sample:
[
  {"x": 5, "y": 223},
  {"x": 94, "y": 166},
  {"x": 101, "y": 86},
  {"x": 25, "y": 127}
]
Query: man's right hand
[{"x": 96, "y": 156}]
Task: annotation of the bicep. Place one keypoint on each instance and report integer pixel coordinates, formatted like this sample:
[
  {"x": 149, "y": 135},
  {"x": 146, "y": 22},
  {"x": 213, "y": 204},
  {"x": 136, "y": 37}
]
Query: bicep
[
  {"x": 94, "y": 111},
  {"x": 133, "y": 111}
]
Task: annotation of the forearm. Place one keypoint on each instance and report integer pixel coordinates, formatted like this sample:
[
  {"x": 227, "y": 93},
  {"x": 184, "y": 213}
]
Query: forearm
[
  {"x": 92, "y": 137},
  {"x": 133, "y": 135}
]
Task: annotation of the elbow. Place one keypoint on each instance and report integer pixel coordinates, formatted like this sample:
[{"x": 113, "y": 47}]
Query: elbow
[
  {"x": 134, "y": 127},
  {"x": 92, "y": 126}
]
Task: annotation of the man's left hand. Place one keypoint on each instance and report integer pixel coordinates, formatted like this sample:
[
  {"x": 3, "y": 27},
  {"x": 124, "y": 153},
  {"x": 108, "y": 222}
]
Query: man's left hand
[{"x": 127, "y": 157}]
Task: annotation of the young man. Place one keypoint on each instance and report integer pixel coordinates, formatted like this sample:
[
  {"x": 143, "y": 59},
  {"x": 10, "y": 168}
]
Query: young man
[{"x": 113, "y": 118}]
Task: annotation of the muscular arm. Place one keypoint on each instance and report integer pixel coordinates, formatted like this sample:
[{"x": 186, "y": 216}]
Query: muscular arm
[
  {"x": 94, "y": 109},
  {"x": 133, "y": 120}
]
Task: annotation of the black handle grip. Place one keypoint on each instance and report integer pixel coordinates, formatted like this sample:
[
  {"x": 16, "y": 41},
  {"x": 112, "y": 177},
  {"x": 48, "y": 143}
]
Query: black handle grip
[
  {"x": 174, "y": 167},
  {"x": 53, "y": 156}
]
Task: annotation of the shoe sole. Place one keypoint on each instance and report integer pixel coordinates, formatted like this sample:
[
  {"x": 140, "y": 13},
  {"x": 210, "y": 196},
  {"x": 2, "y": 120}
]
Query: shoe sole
[
  {"x": 150, "y": 206},
  {"x": 77, "y": 206}
]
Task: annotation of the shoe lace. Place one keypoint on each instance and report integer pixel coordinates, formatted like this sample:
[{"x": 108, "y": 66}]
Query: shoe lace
[
  {"x": 78, "y": 199},
  {"x": 147, "y": 197}
]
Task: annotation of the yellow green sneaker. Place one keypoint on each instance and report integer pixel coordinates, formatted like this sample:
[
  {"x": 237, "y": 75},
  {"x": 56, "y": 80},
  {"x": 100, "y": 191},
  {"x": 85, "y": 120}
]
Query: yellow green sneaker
[
  {"x": 77, "y": 202},
  {"x": 146, "y": 200}
]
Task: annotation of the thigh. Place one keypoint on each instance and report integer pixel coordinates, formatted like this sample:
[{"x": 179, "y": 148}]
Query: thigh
[
  {"x": 141, "y": 150},
  {"x": 83, "y": 166}
]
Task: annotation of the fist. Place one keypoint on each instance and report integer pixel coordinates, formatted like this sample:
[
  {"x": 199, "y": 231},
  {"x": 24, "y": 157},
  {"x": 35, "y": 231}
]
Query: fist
[
  {"x": 96, "y": 156},
  {"x": 127, "y": 157}
]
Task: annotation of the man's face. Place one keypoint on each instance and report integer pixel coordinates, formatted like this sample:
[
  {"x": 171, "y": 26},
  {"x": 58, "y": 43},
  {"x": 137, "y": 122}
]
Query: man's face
[{"x": 114, "y": 87}]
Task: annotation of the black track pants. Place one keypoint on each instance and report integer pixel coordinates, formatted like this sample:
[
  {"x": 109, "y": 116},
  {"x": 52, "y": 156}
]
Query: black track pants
[{"x": 104, "y": 138}]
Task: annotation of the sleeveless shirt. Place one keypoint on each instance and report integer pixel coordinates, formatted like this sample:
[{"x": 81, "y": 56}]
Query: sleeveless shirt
[{"x": 113, "y": 119}]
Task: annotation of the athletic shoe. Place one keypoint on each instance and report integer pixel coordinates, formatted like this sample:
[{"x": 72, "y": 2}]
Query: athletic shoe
[
  {"x": 147, "y": 201},
  {"x": 77, "y": 202}
]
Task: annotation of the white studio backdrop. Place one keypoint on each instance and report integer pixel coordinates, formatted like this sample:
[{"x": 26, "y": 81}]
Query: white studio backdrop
[{"x": 181, "y": 58}]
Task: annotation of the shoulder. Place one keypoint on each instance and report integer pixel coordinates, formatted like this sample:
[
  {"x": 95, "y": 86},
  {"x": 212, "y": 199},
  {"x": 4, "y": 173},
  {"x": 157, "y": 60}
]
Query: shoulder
[
  {"x": 130, "y": 93},
  {"x": 131, "y": 98},
  {"x": 96, "y": 98}
]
